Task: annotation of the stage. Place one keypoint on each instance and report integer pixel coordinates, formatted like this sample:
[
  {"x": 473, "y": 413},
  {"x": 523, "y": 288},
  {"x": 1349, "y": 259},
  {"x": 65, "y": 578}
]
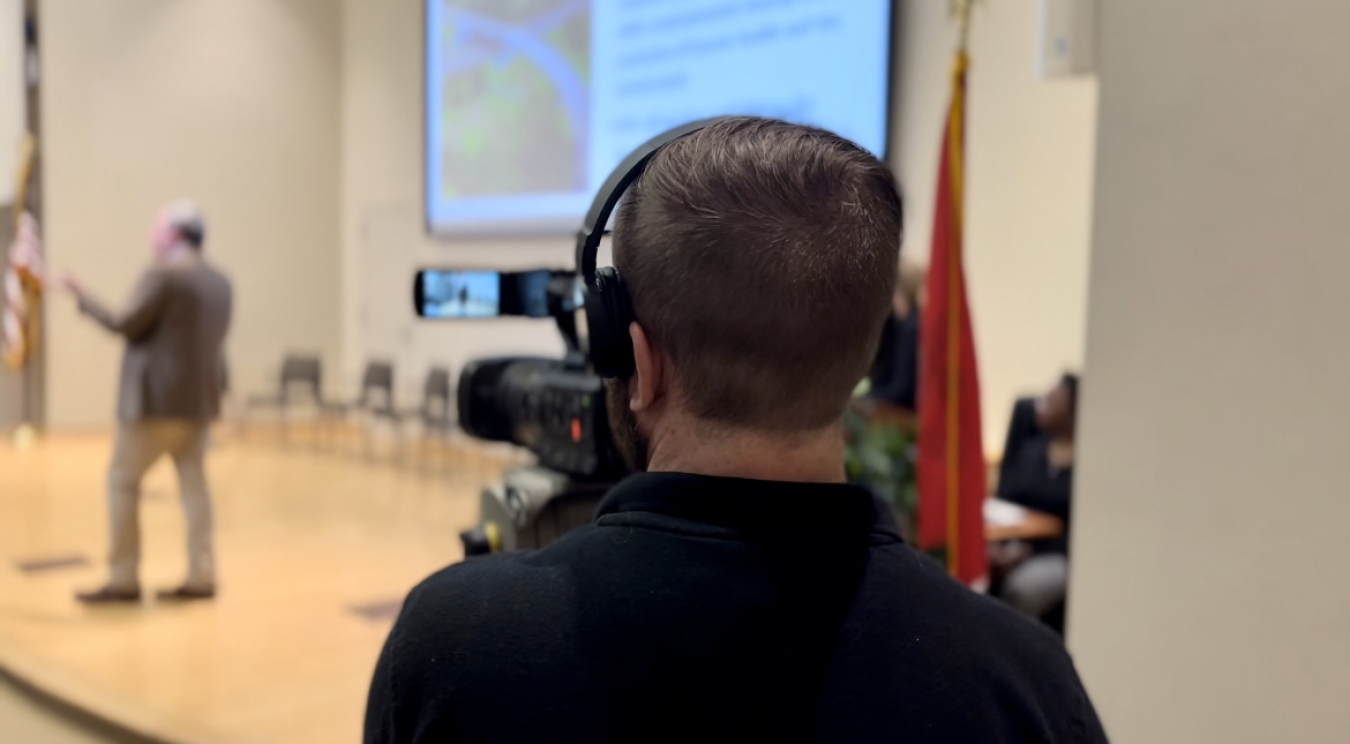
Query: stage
[{"x": 316, "y": 547}]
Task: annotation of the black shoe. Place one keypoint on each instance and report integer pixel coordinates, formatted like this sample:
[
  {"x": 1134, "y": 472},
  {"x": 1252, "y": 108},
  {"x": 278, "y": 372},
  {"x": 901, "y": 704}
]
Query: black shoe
[
  {"x": 108, "y": 595},
  {"x": 184, "y": 594}
]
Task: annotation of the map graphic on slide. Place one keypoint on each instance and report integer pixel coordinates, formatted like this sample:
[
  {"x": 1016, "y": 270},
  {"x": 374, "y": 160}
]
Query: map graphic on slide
[{"x": 514, "y": 83}]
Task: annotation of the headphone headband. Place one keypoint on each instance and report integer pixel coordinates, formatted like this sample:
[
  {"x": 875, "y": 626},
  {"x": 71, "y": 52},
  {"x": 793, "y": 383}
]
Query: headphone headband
[{"x": 597, "y": 217}]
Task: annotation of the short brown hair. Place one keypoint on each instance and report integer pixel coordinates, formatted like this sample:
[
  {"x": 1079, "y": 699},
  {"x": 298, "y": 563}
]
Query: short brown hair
[{"x": 761, "y": 256}]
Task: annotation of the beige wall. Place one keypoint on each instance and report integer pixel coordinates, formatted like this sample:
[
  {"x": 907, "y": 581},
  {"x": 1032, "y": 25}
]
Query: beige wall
[
  {"x": 382, "y": 234},
  {"x": 257, "y": 141},
  {"x": 1029, "y": 190},
  {"x": 233, "y": 102},
  {"x": 1209, "y": 601},
  {"x": 1030, "y": 176},
  {"x": 13, "y": 103}
]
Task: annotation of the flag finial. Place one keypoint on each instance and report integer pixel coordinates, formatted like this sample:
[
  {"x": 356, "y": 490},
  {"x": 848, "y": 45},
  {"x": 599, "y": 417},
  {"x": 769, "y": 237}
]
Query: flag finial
[{"x": 961, "y": 10}]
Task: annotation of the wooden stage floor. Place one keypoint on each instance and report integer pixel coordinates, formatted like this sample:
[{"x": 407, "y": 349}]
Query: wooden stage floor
[{"x": 315, "y": 552}]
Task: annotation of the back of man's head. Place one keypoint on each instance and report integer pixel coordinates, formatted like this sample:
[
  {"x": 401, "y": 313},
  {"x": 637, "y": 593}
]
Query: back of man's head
[
  {"x": 184, "y": 218},
  {"x": 761, "y": 258}
]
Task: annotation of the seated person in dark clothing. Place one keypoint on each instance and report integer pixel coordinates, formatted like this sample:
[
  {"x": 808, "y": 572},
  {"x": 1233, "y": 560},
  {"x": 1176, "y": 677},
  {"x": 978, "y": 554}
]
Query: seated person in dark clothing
[
  {"x": 1037, "y": 472},
  {"x": 895, "y": 379},
  {"x": 739, "y": 589}
]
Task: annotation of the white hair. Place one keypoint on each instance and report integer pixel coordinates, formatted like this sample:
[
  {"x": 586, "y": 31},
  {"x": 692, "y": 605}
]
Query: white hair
[{"x": 185, "y": 217}]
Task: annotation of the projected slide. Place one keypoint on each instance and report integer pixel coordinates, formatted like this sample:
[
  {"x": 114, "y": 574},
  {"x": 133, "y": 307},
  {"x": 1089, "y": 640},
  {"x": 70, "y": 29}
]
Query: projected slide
[{"x": 530, "y": 103}]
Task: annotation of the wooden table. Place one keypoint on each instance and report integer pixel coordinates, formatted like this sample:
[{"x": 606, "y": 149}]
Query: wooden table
[{"x": 1007, "y": 521}]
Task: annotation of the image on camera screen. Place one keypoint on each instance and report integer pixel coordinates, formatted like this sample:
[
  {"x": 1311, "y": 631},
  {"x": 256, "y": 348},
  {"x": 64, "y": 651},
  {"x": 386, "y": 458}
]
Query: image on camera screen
[{"x": 461, "y": 294}]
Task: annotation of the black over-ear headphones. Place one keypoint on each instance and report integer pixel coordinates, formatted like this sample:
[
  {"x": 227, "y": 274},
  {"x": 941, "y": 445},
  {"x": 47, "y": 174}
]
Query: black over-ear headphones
[{"x": 609, "y": 311}]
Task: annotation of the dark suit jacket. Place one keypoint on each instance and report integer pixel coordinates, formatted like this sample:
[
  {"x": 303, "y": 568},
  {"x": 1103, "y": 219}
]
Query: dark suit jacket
[
  {"x": 1026, "y": 478},
  {"x": 175, "y": 326},
  {"x": 895, "y": 379}
]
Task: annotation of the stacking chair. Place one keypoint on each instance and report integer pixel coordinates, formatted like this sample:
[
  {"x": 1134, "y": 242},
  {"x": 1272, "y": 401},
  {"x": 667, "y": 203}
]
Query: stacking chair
[
  {"x": 300, "y": 386},
  {"x": 375, "y": 400}
]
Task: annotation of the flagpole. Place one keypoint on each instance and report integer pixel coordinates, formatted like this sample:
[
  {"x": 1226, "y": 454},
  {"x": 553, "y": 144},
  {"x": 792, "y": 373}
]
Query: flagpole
[{"x": 955, "y": 292}]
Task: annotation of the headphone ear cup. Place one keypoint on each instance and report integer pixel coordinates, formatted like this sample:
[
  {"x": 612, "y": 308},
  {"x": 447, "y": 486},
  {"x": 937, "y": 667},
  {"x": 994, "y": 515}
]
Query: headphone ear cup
[{"x": 609, "y": 313}]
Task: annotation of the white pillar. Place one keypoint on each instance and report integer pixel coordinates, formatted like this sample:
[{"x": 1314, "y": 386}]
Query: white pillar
[{"x": 1209, "y": 598}]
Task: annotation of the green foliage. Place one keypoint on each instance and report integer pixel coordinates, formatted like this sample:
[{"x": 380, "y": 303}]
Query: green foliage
[{"x": 879, "y": 455}]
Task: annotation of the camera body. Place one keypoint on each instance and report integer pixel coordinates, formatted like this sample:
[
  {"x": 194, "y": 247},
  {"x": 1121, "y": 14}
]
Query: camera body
[
  {"x": 556, "y": 412},
  {"x": 553, "y": 407},
  {"x": 530, "y": 508}
]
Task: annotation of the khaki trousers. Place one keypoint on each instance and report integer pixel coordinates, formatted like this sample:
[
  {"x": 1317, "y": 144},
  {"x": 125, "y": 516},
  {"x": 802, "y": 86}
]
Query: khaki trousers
[{"x": 139, "y": 446}]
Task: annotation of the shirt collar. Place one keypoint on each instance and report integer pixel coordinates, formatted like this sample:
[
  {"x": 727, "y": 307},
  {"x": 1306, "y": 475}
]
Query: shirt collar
[{"x": 754, "y": 505}]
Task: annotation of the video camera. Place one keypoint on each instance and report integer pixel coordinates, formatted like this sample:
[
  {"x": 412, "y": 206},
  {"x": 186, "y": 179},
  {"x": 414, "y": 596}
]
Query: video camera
[{"x": 554, "y": 407}]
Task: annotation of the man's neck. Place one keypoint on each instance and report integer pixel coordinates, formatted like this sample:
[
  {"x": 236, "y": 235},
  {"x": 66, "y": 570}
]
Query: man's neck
[{"x": 814, "y": 457}]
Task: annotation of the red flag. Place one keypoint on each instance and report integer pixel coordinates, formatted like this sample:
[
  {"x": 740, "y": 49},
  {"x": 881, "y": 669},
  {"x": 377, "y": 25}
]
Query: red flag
[{"x": 951, "y": 468}]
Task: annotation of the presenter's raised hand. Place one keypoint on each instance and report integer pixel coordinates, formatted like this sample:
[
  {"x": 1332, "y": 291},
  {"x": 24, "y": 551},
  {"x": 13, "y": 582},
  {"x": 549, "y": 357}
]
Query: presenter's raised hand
[{"x": 66, "y": 282}]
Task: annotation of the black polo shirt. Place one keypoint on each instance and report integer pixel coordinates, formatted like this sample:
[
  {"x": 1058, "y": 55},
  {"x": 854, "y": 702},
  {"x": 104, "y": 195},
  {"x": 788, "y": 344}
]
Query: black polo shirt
[{"x": 702, "y": 609}]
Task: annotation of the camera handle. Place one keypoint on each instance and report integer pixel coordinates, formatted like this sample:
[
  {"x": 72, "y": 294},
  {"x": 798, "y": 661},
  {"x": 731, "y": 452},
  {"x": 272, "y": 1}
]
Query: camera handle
[{"x": 563, "y": 306}]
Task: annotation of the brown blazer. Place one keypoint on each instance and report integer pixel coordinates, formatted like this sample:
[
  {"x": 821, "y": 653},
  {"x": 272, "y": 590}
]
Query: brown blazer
[{"x": 175, "y": 325}]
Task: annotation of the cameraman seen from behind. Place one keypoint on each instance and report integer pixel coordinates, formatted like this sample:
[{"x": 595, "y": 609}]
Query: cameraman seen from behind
[{"x": 738, "y": 589}]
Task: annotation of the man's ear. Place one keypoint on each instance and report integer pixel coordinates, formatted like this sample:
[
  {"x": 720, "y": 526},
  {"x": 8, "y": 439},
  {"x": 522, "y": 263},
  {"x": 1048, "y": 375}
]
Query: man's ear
[{"x": 649, "y": 378}]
